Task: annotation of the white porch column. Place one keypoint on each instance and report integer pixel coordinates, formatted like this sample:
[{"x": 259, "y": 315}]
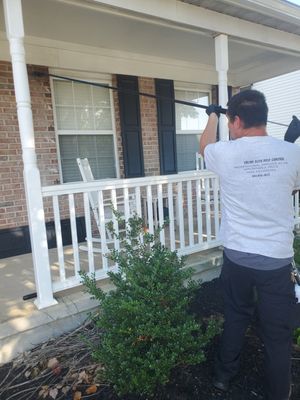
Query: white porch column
[
  {"x": 35, "y": 210},
  {"x": 221, "y": 54}
]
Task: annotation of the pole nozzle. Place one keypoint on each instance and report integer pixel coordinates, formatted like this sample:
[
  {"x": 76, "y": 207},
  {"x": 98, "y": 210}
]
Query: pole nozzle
[{"x": 293, "y": 130}]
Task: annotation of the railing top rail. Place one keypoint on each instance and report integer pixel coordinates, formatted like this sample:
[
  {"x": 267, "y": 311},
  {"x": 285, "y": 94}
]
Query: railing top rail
[{"x": 108, "y": 184}]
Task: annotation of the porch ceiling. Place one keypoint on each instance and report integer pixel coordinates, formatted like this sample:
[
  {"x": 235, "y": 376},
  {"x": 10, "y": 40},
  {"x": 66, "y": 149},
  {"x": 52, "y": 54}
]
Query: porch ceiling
[{"x": 95, "y": 25}]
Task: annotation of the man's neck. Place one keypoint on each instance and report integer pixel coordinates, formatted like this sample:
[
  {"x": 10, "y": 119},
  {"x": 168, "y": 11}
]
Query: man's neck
[{"x": 259, "y": 131}]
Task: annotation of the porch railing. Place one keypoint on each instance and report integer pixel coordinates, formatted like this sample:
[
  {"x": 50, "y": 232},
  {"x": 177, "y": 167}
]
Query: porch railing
[{"x": 189, "y": 202}]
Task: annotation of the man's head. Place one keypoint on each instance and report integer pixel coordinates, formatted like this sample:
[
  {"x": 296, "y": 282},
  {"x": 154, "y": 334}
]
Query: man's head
[{"x": 247, "y": 110}]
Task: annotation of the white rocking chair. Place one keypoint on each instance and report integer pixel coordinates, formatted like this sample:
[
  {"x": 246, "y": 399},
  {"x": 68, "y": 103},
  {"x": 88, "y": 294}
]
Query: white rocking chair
[
  {"x": 200, "y": 163},
  {"x": 87, "y": 176}
]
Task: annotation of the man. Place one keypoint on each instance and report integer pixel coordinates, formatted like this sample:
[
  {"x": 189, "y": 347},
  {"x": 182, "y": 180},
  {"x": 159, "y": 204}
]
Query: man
[{"x": 258, "y": 174}]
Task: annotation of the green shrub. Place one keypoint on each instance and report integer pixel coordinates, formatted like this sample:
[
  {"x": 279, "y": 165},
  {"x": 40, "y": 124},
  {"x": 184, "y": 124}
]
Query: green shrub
[
  {"x": 297, "y": 336},
  {"x": 297, "y": 250},
  {"x": 146, "y": 329}
]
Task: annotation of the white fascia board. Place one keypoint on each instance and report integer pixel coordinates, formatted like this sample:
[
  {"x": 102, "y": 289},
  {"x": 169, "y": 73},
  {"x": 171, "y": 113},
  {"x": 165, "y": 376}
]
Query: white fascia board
[
  {"x": 183, "y": 14},
  {"x": 272, "y": 8}
]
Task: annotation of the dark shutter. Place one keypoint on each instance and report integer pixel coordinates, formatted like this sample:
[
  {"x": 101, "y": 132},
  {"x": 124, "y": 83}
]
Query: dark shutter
[
  {"x": 131, "y": 126},
  {"x": 166, "y": 126}
]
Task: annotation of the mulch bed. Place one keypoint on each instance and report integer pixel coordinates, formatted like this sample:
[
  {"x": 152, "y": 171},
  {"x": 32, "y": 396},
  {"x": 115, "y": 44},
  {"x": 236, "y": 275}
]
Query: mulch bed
[{"x": 62, "y": 368}]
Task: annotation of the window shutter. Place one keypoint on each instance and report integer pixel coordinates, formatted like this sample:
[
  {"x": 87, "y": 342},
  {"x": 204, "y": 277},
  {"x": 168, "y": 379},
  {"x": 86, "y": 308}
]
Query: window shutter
[
  {"x": 131, "y": 126},
  {"x": 166, "y": 126}
]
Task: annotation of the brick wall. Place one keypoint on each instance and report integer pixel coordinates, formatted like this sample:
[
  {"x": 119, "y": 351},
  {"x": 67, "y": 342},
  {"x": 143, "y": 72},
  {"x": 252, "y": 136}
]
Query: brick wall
[
  {"x": 13, "y": 211},
  {"x": 45, "y": 141},
  {"x": 149, "y": 127}
]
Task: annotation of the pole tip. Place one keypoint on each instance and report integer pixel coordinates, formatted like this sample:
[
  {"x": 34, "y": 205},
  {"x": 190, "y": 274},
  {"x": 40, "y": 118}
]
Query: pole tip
[{"x": 293, "y": 130}]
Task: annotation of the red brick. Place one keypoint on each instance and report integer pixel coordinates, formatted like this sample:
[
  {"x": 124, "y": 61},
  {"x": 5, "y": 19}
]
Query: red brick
[
  {"x": 11, "y": 165},
  {"x": 149, "y": 127}
]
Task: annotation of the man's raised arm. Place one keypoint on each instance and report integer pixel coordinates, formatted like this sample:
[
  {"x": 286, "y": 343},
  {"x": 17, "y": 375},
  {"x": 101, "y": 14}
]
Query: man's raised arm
[{"x": 209, "y": 134}]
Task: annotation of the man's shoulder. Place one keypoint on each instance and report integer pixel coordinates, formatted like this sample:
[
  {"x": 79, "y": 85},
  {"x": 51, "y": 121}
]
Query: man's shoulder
[
  {"x": 218, "y": 145},
  {"x": 281, "y": 142},
  {"x": 290, "y": 147}
]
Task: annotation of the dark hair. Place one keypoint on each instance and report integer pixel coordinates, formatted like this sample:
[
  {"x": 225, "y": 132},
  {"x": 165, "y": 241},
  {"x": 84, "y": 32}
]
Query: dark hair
[{"x": 250, "y": 106}]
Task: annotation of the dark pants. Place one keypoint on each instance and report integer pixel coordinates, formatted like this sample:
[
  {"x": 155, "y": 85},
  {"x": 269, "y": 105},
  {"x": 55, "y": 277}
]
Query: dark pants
[{"x": 276, "y": 307}]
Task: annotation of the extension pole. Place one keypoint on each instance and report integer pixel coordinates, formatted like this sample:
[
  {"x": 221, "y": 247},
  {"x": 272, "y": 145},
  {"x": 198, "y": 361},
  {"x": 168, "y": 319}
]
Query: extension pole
[{"x": 153, "y": 96}]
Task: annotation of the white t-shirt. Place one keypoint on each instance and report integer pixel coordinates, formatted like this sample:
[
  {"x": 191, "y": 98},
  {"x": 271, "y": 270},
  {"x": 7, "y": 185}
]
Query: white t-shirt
[{"x": 257, "y": 177}]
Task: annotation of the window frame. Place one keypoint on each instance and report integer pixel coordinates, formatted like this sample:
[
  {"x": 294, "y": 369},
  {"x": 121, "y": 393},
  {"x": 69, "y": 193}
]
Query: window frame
[
  {"x": 99, "y": 78},
  {"x": 190, "y": 87}
]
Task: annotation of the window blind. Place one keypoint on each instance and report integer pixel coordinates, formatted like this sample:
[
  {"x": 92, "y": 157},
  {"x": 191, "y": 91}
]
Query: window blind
[{"x": 85, "y": 129}]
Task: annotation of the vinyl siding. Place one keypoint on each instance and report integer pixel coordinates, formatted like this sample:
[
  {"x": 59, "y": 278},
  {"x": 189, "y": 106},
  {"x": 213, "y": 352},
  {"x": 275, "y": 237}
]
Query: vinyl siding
[{"x": 283, "y": 98}]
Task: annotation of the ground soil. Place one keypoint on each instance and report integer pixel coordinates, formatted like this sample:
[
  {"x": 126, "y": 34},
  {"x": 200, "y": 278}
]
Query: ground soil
[{"x": 29, "y": 377}]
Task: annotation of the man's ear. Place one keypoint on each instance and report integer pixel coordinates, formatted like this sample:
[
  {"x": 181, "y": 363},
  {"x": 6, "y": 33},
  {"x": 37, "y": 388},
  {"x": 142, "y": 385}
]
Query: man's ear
[{"x": 238, "y": 122}]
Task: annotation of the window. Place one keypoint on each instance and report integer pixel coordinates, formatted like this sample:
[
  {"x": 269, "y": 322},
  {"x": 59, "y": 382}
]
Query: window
[
  {"x": 83, "y": 115},
  {"x": 190, "y": 123}
]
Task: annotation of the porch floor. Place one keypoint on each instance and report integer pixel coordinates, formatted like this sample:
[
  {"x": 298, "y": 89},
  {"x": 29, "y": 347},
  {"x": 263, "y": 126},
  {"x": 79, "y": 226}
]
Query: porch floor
[{"x": 22, "y": 326}]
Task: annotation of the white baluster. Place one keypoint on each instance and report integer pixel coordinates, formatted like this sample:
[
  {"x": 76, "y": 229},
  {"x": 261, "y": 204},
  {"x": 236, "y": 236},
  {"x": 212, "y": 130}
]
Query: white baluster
[
  {"x": 190, "y": 213},
  {"x": 102, "y": 231},
  {"x": 88, "y": 228},
  {"x": 160, "y": 212},
  {"x": 150, "y": 209},
  {"x": 137, "y": 200},
  {"x": 126, "y": 204},
  {"x": 114, "y": 219},
  {"x": 171, "y": 217},
  {"x": 59, "y": 242},
  {"x": 74, "y": 235},
  {"x": 199, "y": 211},
  {"x": 207, "y": 209},
  {"x": 180, "y": 215}
]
